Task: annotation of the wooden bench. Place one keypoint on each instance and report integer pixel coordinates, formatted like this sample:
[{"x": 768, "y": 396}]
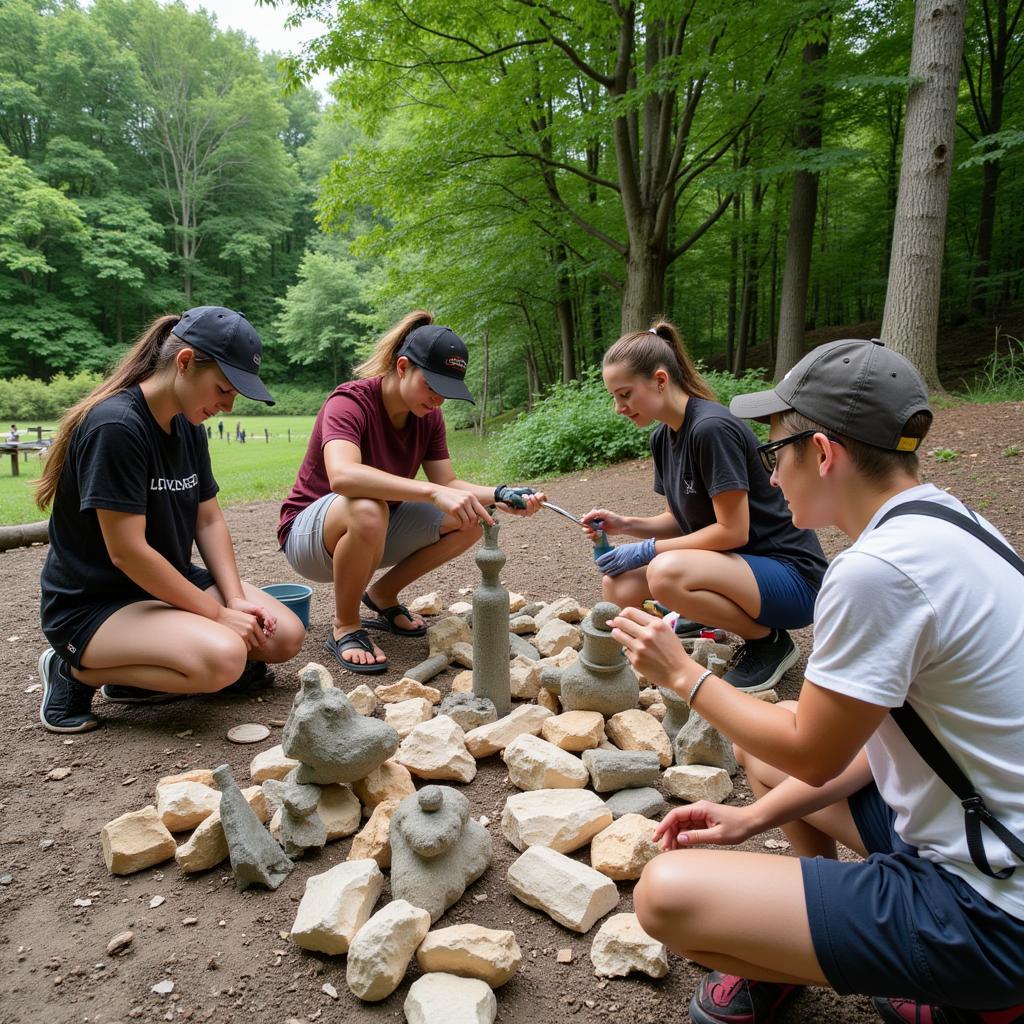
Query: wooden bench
[{"x": 13, "y": 447}]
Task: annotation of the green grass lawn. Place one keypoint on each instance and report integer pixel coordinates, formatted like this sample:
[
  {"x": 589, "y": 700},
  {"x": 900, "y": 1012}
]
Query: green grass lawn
[{"x": 258, "y": 470}]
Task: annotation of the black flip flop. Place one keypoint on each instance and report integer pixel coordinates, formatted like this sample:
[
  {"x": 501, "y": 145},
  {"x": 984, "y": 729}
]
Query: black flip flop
[
  {"x": 357, "y": 638},
  {"x": 387, "y": 618}
]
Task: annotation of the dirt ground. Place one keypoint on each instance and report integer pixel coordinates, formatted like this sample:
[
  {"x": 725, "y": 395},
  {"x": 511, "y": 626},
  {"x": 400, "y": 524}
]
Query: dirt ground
[{"x": 236, "y": 963}]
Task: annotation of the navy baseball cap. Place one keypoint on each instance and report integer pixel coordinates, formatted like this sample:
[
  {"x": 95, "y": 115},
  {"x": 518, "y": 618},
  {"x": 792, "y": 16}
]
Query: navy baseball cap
[
  {"x": 231, "y": 340},
  {"x": 442, "y": 356}
]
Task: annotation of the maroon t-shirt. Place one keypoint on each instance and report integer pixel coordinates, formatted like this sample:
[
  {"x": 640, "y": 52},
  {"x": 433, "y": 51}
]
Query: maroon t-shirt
[{"x": 355, "y": 412}]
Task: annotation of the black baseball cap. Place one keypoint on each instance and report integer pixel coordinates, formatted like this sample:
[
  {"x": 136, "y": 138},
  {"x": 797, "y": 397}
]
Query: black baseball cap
[
  {"x": 859, "y": 389},
  {"x": 442, "y": 356},
  {"x": 232, "y": 341}
]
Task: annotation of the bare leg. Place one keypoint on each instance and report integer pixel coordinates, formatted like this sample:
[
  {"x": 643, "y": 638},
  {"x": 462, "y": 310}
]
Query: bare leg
[
  {"x": 286, "y": 641},
  {"x": 628, "y": 590}
]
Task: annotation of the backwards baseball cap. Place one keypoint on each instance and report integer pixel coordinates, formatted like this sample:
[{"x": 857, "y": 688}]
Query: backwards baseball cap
[
  {"x": 231, "y": 340},
  {"x": 859, "y": 389},
  {"x": 442, "y": 356}
]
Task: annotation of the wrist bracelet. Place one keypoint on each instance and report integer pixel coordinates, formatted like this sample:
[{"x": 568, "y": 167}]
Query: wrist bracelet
[{"x": 697, "y": 685}]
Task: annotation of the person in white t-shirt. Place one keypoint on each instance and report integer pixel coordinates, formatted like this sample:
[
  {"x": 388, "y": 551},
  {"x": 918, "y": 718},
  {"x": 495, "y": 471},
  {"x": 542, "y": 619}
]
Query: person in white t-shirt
[{"x": 916, "y": 611}]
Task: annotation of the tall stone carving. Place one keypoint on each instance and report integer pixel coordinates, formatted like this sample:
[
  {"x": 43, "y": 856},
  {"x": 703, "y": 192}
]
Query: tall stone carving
[{"x": 491, "y": 676}]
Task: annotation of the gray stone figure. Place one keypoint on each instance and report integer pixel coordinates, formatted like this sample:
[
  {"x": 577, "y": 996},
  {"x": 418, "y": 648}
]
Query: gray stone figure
[
  {"x": 436, "y": 849},
  {"x": 426, "y": 670},
  {"x": 468, "y": 710},
  {"x": 332, "y": 740},
  {"x": 491, "y": 676},
  {"x": 600, "y": 679},
  {"x": 302, "y": 828},
  {"x": 699, "y": 742},
  {"x": 256, "y": 858}
]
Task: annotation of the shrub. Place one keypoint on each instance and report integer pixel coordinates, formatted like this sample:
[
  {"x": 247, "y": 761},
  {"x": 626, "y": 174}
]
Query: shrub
[
  {"x": 24, "y": 398},
  {"x": 1002, "y": 379}
]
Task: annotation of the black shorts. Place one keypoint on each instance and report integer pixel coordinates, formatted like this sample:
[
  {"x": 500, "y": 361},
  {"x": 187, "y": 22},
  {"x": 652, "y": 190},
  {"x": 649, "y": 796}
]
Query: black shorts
[{"x": 69, "y": 629}]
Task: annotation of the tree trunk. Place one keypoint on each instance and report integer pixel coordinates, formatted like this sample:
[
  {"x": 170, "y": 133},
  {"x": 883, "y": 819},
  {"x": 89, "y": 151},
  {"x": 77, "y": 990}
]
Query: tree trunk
[
  {"x": 481, "y": 423},
  {"x": 644, "y": 294},
  {"x": 22, "y": 536},
  {"x": 911, "y": 318}
]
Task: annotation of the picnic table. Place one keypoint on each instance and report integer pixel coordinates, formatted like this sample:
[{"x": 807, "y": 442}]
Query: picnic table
[{"x": 13, "y": 447}]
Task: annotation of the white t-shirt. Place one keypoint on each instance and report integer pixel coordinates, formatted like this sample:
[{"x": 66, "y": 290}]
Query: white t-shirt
[{"x": 920, "y": 610}]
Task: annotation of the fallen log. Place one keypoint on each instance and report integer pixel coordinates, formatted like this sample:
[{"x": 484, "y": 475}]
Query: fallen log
[{"x": 23, "y": 535}]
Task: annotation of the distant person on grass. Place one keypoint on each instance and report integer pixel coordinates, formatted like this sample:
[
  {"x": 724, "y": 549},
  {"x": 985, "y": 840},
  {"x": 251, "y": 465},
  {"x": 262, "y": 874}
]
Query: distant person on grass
[
  {"x": 724, "y": 552},
  {"x": 130, "y": 483},
  {"x": 13, "y": 435},
  {"x": 355, "y": 505},
  {"x": 918, "y": 626}
]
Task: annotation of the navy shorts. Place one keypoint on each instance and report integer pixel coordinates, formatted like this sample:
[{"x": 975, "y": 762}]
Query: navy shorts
[
  {"x": 897, "y": 925},
  {"x": 787, "y": 599}
]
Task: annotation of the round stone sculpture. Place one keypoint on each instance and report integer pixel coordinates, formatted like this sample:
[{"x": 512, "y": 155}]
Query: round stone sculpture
[{"x": 600, "y": 679}]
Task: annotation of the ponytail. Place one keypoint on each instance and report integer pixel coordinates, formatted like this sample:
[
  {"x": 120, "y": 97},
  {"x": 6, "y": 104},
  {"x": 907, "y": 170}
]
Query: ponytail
[
  {"x": 382, "y": 359},
  {"x": 659, "y": 348}
]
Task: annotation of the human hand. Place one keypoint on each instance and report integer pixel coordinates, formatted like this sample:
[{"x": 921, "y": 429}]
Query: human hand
[
  {"x": 464, "y": 507},
  {"x": 530, "y": 500},
  {"x": 703, "y": 823},
  {"x": 627, "y": 557},
  {"x": 244, "y": 624},
  {"x": 653, "y": 648},
  {"x": 603, "y": 519},
  {"x": 268, "y": 622},
  {"x": 513, "y": 497}
]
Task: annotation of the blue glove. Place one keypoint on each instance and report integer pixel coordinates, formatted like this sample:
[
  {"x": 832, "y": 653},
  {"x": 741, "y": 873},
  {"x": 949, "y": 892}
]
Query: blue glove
[
  {"x": 512, "y": 496},
  {"x": 626, "y": 557}
]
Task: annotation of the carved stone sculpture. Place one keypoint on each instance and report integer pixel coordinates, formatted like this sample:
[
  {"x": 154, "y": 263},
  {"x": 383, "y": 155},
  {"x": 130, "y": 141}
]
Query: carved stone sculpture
[
  {"x": 491, "y": 677},
  {"x": 301, "y": 827}
]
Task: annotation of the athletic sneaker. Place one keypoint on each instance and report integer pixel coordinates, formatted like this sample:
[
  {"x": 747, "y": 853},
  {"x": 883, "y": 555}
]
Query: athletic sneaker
[
  {"x": 906, "y": 1011},
  {"x": 686, "y": 628},
  {"x": 728, "y": 999},
  {"x": 66, "y": 702},
  {"x": 256, "y": 677},
  {"x": 137, "y": 695},
  {"x": 760, "y": 664}
]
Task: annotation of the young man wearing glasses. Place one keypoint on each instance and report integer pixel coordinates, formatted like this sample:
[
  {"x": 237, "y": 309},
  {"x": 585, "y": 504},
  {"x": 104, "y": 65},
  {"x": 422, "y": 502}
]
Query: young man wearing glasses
[{"x": 919, "y": 622}]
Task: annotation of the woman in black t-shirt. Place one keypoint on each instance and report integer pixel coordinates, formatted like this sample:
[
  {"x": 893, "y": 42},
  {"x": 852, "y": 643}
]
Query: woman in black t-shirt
[
  {"x": 129, "y": 480},
  {"x": 725, "y": 550}
]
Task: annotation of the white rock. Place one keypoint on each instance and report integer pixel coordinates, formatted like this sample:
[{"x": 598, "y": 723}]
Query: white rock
[
  {"x": 555, "y": 637},
  {"x": 470, "y": 951},
  {"x": 462, "y": 654},
  {"x": 460, "y": 608},
  {"x": 135, "y": 840},
  {"x": 524, "y": 680},
  {"x": 571, "y": 893},
  {"x": 444, "y": 997},
  {"x": 336, "y": 904},
  {"x": 563, "y": 659},
  {"x": 621, "y": 946},
  {"x": 462, "y": 683},
  {"x": 565, "y": 608},
  {"x": 374, "y": 842},
  {"x": 339, "y": 810},
  {"x": 391, "y": 781},
  {"x": 326, "y": 679},
  {"x": 405, "y": 715},
  {"x": 426, "y": 604},
  {"x": 446, "y": 632},
  {"x": 574, "y": 730},
  {"x": 381, "y": 950},
  {"x": 693, "y": 782},
  {"x": 207, "y": 846},
  {"x": 636, "y": 730},
  {"x": 363, "y": 699},
  {"x": 624, "y": 848},
  {"x": 515, "y": 602},
  {"x": 489, "y": 739},
  {"x": 546, "y": 699},
  {"x": 437, "y": 750},
  {"x": 522, "y": 625},
  {"x": 534, "y": 763},
  {"x": 271, "y": 764},
  {"x": 564, "y": 819},
  {"x": 183, "y": 805},
  {"x": 407, "y": 689}
]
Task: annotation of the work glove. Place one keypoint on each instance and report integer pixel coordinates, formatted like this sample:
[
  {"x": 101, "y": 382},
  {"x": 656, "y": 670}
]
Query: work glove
[
  {"x": 626, "y": 557},
  {"x": 512, "y": 496}
]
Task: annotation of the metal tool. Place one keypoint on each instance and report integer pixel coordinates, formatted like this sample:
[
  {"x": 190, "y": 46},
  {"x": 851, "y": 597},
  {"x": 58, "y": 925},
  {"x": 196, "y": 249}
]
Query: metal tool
[{"x": 562, "y": 512}]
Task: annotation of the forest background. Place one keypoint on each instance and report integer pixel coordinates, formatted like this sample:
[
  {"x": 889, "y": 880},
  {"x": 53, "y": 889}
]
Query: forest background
[{"x": 540, "y": 175}]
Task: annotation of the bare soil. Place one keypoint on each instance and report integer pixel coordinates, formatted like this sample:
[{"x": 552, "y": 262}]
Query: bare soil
[{"x": 235, "y": 963}]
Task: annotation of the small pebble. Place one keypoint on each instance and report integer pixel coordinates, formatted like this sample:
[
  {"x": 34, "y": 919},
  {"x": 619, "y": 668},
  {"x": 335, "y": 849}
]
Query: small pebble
[
  {"x": 56, "y": 774},
  {"x": 277, "y": 723},
  {"x": 564, "y": 956},
  {"x": 83, "y": 903},
  {"x": 122, "y": 940},
  {"x": 6, "y": 879},
  {"x": 129, "y": 781},
  {"x": 250, "y": 732},
  {"x": 189, "y": 921},
  {"x": 328, "y": 989},
  {"x": 155, "y": 902},
  {"x": 45, "y": 844},
  {"x": 163, "y": 988}
]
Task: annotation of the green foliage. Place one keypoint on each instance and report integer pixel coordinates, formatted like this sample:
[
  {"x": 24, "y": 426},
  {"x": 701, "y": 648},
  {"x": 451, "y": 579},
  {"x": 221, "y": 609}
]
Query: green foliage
[
  {"x": 1011, "y": 451},
  {"x": 1002, "y": 379},
  {"x": 26, "y": 399},
  {"x": 290, "y": 400},
  {"x": 945, "y": 454}
]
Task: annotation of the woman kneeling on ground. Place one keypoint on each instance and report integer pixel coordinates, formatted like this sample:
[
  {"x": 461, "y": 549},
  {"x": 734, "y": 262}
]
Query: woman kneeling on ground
[
  {"x": 356, "y": 506},
  {"x": 725, "y": 551},
  {"x": 130, "y": 483}
]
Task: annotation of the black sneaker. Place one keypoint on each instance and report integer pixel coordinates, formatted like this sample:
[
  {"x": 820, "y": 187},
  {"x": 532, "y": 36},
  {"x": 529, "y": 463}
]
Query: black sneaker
[
  {"x": 729, "y": 999},
  {"x": 686, "y": 628},
  {"x": 256, "y": 677},
  {"x": 66, "y": 702},
  {"x": 760, "y": 664},
  {"x": 906, "y": 1011},
  {"x": 136, "y": 695}
]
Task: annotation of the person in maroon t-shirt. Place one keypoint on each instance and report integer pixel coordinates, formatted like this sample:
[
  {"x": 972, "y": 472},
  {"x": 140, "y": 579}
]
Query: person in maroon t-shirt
[{"x": 355, "y": 505}]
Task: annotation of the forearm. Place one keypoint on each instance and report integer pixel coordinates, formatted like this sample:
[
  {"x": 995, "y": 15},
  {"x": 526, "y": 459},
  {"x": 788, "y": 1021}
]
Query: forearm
[
  {"x": 357, "y": 480},
  {"x": 148, "y": 569},
  {"x": 659, "y": 527},
  {"x": 483, "y": 494},
  {"x": 213, "y": 539},
  {"x": 715, "y": 537}
]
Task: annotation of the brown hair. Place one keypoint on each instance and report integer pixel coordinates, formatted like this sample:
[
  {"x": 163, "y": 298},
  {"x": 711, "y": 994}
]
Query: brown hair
[
  {"x": 154, "y": 349},
  {"x": 385, "y": 353},
  {"x": 877, "y": 464},
  {"x": 659, "y": 348}
]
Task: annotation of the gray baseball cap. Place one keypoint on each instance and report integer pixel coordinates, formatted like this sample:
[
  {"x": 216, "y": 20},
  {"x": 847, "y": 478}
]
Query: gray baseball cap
[{"x": 859, "y": 389}]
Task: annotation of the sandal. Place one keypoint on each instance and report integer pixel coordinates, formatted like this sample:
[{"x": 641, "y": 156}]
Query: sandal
[
  {"x": 387, "y": 618},
  {"x": 357, "y": 638}
]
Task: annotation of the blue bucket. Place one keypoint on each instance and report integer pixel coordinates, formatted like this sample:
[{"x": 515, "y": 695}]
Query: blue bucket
[{"x": 295, "y": 596}]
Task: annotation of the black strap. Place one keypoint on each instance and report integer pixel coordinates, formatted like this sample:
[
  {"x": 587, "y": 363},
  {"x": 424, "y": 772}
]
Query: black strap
[{"x": 935, "y": 755}]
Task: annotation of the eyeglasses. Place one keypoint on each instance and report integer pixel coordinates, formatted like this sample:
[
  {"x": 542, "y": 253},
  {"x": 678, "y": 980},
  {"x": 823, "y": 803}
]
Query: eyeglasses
[{"x": 769, "y": 452}]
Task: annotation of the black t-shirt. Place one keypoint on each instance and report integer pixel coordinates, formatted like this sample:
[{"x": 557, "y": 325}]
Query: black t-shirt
[
  {"x": 120, "y": 459},
  {"x": 713, "y": 452}
]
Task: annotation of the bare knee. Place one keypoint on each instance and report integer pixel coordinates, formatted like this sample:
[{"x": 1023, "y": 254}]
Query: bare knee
[
  {"x": 288, "y": 638},
  {"x": 218, "y": 659},
  {"x": 659, "y": 899},
  {"x": 368, "y": 518},
  {"x": 668, "y": 575}
]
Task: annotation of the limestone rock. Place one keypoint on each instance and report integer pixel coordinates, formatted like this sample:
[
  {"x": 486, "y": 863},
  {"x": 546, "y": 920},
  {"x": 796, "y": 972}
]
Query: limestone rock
[
  {"x": 489, "y": 739},
  {"x": 622, "y": 850},
  {"x": 615, "y": 769},
  {"x": 445, "y": 633},
  {"x": 534, "y": 763},
  {"x": 705, "y": 648},
  {"x": 699, "y": 742},
  {"x": 524, "y": 680},
  {"x": 522, "y": 625},
  {"x": 546, "y": 699},
  {"x": 768, "y": 696},
  {"x": 323, "y": 674},
  {"x": 575, "y": 730},
  {"x": 426, "y": 604},
  {"x": 183, "y": 805},
  {"x": 637, "y": 730},
  {"x": 374, "y": 842},
  {"x": 516, "y": 603},
  {"x": 563, "y": 819},
  {"x": 391, "y": 781},
  {"x": 622, "y": 946},
  {"x": 136, "y": 840},
  {"x": 204, "y": 776},
  {"x": 692, "y": 782},
  {"x": 565, "y": 608},
  {"x": 405, "y": 715},
  {"x": 647, "y": 801},
  {"x": 462, "y": 683},
  {"x": 462, "y": 654},
  {"x": 563, "y": 659},
  {"x": 271, "y": 764},
  {"x": 437, "y": 750},
  {"x": 571, "y": 893},
  {"x": 406, "y": 689},
  {"x": 460, "y": 608},
  {"x": 445, "y": 997},
  {"x": 649, "y": 695},
  {"x": 339, "y": 810},
  {"x": 657, "y": 711},
  {"x": 556, "y": 636},
  {"x": 363, "y": 699},
  {"x": 207, "y": 847},
  {"x": 470, "y": 951},
  {"x": 468, "y": 711},
  {"x": 335, "y": 905},
  {"x": 381, "y": 950}
]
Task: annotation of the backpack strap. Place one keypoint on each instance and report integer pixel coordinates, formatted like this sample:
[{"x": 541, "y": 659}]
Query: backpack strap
[{"x": 976, "y": 812}]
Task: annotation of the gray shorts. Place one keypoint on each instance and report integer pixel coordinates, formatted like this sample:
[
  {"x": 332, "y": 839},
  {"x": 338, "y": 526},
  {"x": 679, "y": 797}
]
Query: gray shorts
[{"x": 412, "y": 525}]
